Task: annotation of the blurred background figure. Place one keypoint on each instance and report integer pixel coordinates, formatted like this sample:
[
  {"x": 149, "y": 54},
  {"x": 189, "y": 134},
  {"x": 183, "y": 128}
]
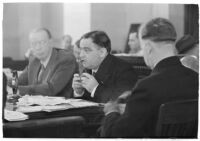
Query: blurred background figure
[
  {"x": 76, "y": 50},
  {"x": 189, "y": 48},
  {"x": 134, "y": 44},
  {"x": 67, "y": 43}
]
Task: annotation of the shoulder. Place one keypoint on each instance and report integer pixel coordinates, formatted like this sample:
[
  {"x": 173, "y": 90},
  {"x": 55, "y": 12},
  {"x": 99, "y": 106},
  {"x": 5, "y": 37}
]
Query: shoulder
[
  {"x": 33, "y": 60},
  {"x": 64, "y": 56},
  {"x": 119, "y": 62}
]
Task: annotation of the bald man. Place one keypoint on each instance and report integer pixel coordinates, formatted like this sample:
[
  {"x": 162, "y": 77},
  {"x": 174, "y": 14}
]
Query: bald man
[
  {"x": 169, "y": 81},
  {"x": 50, "y": 70}
]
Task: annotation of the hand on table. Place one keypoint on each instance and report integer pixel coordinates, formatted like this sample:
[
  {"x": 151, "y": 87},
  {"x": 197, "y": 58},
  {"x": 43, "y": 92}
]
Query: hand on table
[
  {"x": 124, "y": 96},
  {"x": 111, "y": 106}
]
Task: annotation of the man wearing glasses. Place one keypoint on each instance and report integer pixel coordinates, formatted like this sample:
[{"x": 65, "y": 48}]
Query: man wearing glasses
[{"x": 50, "y": 71}]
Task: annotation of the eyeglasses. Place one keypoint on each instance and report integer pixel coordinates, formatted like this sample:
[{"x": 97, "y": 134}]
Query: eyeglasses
[{"x": 44, "y": 42}]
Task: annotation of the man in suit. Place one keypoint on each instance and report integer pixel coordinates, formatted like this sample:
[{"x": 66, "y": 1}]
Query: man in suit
[
  {"x": 111, "y": 76},
  {"x": 50, "y": 71},
  {"x": 169, "y": 81}
]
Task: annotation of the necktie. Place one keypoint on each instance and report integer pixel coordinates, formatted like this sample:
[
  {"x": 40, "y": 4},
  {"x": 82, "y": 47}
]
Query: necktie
[{"x": 40, "y": 73}]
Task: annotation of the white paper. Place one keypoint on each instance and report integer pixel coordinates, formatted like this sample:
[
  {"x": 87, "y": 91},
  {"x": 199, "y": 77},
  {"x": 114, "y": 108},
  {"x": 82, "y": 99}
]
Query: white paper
[
  {"x": 82, "y": 103},
  {"x": 28, "y": 104},
  {"x": 14, "y": 115},
  {"x": 29, "y": 109},
  {"x": 57, "y": 107},
  {"x": 40, "y": 100}
]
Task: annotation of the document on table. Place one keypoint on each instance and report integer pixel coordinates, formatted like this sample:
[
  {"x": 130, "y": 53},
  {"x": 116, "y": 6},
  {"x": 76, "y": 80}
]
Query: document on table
[
  {"x": 14, "y": 115},
  {"x": 79, "y": 103},
  {"x": 40, "y": 100},
  {"x": 28, "y": 104}
]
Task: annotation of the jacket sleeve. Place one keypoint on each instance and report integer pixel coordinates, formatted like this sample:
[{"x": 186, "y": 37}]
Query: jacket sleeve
[
  {"x": 60, "y": 78},
  {"x": 123, "y": 80},
  {"x": 23, "y": 78},
  {"x": 126, "y": 80},
  {"x": 131, "y": 123}
]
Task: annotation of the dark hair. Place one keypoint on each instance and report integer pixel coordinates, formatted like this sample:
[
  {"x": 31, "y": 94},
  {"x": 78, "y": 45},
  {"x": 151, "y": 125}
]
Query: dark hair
[
  {"x": 159, "y": 29},
  {"x": 77, "y": 43},
  {"x": 100, "y": 38}
]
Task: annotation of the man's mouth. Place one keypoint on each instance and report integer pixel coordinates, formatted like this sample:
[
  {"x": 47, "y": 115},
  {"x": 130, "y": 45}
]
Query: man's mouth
[{"x": 82, "y": 61}]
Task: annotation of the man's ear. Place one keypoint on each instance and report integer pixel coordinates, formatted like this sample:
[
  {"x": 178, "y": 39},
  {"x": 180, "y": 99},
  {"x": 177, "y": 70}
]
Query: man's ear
[
  {"x": 50, "y": 41},
  {"x": 103, "y": 52},
  {"x": 149, "y": 46}
]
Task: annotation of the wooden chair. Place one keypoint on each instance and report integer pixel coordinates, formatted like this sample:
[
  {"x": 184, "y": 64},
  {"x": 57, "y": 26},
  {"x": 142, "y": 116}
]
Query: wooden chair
[
  {"x": 59, "y": 127},
  {"x": 178, "y": 119}
]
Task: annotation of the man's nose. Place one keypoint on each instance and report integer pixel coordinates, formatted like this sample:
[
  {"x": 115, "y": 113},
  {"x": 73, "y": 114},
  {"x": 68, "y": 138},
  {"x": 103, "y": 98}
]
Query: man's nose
[
  {"x": 81, "y": 54},
  {"x": 37, "y": 46}
]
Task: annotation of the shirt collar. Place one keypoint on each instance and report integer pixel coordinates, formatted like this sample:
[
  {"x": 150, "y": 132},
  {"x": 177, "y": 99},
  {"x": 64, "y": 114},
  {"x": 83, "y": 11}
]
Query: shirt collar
[
  {"x": 46, "y": 61},
  {"x": 167, "y": 63},
  {"x": 94, "y": 71}
]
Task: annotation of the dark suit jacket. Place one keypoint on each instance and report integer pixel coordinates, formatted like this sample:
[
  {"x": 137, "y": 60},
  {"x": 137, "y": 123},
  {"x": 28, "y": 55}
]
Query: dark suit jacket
[
  {"x": 114, "y": 77},
  {"x": 56, "y": 79},
  {"x": 169, "y": 81}
]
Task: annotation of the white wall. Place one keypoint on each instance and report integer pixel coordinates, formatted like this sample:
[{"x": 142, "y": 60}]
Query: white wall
[
  {"x": 16, "y": 25},
  {"x": 116, "y": 19},
  {"x": 9, "y": 39},
  {"x": 20, "y": 18},
  {"x": 76, "y": 19},
  {"x": 29, "y": 15},
  {"x": 110, "y": 18},
  {"x": 176, "y": 16}
]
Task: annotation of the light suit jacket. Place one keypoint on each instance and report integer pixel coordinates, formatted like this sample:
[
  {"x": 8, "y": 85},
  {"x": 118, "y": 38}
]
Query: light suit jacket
[{"x": 56, "y": 79}]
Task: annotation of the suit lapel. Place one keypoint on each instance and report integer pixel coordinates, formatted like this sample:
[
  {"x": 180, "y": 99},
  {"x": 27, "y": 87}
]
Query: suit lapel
[
  {"x": 34, "y": 71},
  {"x": 48, "y": 70},
  {"x": 103, "y": 72}
]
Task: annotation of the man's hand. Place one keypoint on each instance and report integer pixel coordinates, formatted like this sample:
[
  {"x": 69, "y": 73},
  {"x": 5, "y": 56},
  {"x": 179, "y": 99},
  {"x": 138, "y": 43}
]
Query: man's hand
[
  {"x": 89, "y": 82},
  {"x": 77, "y": 84},
  {"x": 124, "y": 96},
  {"x": 110, "y": 107}
]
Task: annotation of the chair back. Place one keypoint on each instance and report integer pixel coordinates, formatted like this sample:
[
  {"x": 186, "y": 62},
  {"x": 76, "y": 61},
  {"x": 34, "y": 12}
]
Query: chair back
[
  {"x": 178, "y": 119},
  {"x": 59, "y": 127}
]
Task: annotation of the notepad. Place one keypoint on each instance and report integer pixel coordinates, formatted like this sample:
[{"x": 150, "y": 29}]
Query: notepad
[{"x": 14, "y": 115}]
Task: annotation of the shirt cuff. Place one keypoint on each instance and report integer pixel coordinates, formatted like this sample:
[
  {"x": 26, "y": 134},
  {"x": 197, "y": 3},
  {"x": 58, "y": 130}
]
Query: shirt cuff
[
  {"x": 78, "y": 95},
  {"x": 93, "y": 91}
]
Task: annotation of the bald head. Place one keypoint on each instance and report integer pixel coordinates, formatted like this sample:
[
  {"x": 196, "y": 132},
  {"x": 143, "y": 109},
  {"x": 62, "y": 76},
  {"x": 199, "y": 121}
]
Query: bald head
[
  {"x": 40, "y": 43},
  {"x": 157, "y": 39},
  {"x": 44, "y": 30},
  {"x": 66, "y": 42}
]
